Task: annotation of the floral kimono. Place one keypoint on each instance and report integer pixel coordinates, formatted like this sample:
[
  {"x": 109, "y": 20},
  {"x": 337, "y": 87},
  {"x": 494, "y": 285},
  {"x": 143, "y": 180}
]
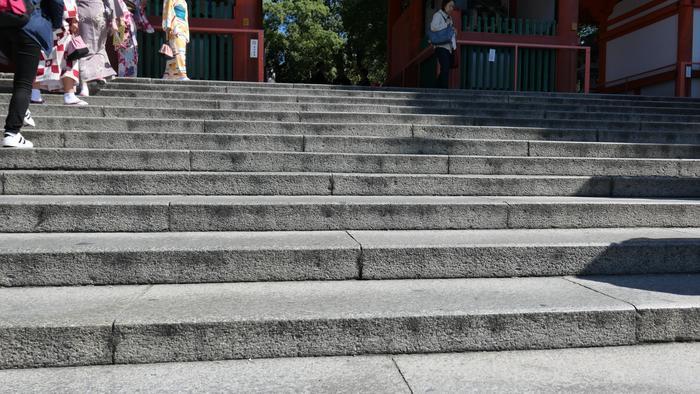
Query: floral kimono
[
  {"x": 177, "y": 32},
  {"x": 54, "y": 67},
  {"x": 125, "y": 38}
]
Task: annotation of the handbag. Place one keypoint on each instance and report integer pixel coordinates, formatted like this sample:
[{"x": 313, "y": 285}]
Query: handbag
[
  {"x": 443, "y": 36},
  {"x": 15, "y": 13},
  {"x": 76, "y": 49},
  {"x": 166, "y": 51}
]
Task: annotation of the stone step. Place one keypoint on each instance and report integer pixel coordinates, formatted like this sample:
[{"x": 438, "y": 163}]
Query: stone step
[
  {"x": 67, "y": 326},
  {"x": 178, "y": 147},
  {"x": 341, "y": 104},
  {"x": 391, "y": 89},
  {"x": 668, "y": 367},
  {"x": 373, "y": 115},
  {"x": 390, "y": 93},
  {"x": 138, "y": 183},
  {"x": 160, "y": 258},
  {"x": 421, "y": 101},
  {"x": 564, "y": 133},
  {"x": 190, "y": 86},
  {"x": 277, "y": 161},
  {"x": 307, "y": 213},
  {"x": 182, "y": 118}
]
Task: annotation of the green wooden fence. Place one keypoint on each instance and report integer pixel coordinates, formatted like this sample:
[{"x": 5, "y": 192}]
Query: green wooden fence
[
  {"x": 209, "y": 56},
  {"x": 536, "y": 67},
  {"x": 515, "y": 26}
]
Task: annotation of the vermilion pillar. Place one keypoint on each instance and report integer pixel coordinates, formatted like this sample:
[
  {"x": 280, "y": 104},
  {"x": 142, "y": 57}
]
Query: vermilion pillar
[
  {"x": 567, "y": 30},
  {"x": 685, "y": 45},
  {"x": 394, "y": 11}
]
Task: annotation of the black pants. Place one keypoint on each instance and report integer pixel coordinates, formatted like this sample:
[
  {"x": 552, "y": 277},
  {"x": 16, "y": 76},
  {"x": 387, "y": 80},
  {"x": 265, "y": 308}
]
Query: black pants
[
  {"x": 445, "y": 59},
  {"x": 25, "y": 52}
]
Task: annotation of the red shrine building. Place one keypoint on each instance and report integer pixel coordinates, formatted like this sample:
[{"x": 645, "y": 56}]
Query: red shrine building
[{"x": 649, "y": 47}]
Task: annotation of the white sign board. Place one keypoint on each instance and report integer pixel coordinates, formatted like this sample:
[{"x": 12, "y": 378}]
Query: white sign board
[
  {"x": 254, "y": 48},
  {"x": 492, "y": 55}
]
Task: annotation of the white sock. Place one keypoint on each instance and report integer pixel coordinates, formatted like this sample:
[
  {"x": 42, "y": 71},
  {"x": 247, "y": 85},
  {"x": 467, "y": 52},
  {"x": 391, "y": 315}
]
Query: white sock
[
  {"x": 69, "y": 98},
  {"x": 84, "y": 91},
  {"x": 36, "y": 95}
]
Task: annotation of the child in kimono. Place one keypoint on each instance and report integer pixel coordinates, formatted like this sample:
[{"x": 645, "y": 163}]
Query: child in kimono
[
  {"x": 125, "y": 39},
  {"x": 177, "y": 32},
  {"x": 56, "y": 72}
]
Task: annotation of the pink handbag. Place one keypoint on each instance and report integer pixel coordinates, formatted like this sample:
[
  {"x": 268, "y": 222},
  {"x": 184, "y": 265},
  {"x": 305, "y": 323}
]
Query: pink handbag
[
  {"x": 166, "y": 51},
  {"x": 76, "y": 49}
]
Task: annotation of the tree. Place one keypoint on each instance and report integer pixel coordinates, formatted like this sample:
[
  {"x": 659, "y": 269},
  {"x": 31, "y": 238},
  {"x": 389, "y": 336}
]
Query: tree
[
  {"x": 365, "y": 25},
  {"x": 303, "y": 39}
]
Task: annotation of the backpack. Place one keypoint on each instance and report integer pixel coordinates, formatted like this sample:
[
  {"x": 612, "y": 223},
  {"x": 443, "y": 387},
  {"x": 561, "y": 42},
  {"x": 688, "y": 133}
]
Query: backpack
[
  {"x": 439, "y": 37},
  {"x": 15, "y": 13}
]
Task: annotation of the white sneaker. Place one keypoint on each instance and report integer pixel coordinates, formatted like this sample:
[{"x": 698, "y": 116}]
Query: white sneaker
[
  {"x": 77, "y": 103},
  {"x": 84, "y": 90},
  {"x": 28, "y": 120},
  {"x": 16, "y": 141}
]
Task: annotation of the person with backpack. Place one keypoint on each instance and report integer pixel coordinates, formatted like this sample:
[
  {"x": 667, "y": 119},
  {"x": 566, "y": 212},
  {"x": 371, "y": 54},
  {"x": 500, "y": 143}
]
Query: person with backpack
[
  {"x": 26, "y": 28},
  {"x": 443, "y": 38}
]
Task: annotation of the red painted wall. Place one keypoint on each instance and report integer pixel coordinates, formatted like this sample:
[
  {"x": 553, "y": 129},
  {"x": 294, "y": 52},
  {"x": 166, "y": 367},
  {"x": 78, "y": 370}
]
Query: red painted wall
[{"x": 247, "y": 15}]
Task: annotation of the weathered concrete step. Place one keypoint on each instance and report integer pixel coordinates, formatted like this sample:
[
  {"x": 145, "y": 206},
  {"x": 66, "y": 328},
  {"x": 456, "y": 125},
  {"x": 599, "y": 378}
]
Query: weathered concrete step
[
  {"x": 112, "y": 116},
  {"x": 160, "y": 258},
  {"x": 555, "y": 134},
  {"x": 128, "y": 258},
  {"x": 307, "y": 213},
  {"x": 374, "y": 114},
  {"x": 451, "y": 92},
  {"x": 526, "y": 253},
  {"x": 165, "y": 323},
  {"x": 344, "y": 104},
  {"x": 664, "y": 367},
  {"x": 380, "y": 115},
  {"x": 540, "y": 132},
  {"x": 393, "y": 93},
  {"x": 275, "y": 161},
  {"x": 216, "y": 127},
  {"x": 326, "y": 184},
  {"x": 354, "y": 144},
  {"x": 421, "y": 101},
  {"x": 156, "y": 84}
]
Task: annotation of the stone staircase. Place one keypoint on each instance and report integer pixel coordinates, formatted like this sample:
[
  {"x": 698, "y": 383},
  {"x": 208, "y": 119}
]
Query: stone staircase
[{"x": 210, "y": 221}]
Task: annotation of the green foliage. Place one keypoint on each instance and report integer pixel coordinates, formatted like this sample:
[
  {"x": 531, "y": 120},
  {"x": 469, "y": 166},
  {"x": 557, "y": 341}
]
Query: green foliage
[
  {"x": 326, "y": 40},
  {"x": 301, "y": 36},
  {"x": 365, "y": 22}
]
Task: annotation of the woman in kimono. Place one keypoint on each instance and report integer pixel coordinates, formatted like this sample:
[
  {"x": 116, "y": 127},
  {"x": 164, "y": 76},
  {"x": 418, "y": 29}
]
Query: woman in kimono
[
  {"x": 125, "y": 41},
  {"x": 98, "y": 18},
  {"x": 177, "y": 32},
  {"x": 56, "y": 72}
]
